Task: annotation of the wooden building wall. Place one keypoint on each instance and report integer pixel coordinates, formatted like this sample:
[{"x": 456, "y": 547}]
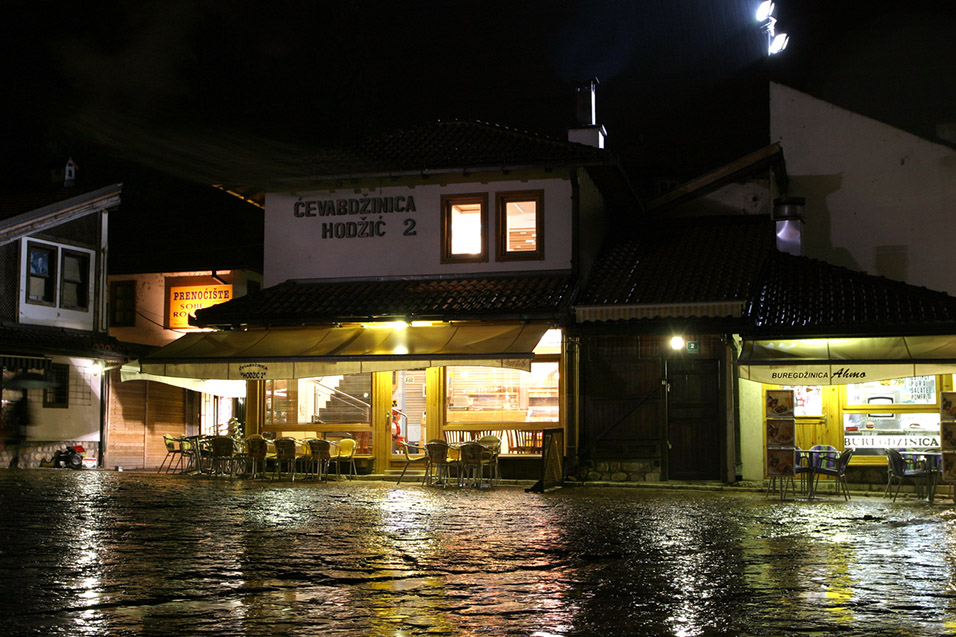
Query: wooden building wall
[{"x": 140, "y": 413}]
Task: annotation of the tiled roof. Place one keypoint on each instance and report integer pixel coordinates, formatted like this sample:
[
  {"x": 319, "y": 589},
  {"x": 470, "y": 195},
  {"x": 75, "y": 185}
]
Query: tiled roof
[
  {"x": 35, "y": 340},
  {"x": 321, "y": 302},
  {"x": 686, "y": 261},
  {"x": 799, "y": 295},
  {"x": 453, "y": 145}
]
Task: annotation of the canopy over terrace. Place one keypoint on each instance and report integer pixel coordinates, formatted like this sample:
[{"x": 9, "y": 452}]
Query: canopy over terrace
[
  {"x": 306, "y": 352},
  {"x": 841, "y": 361}
]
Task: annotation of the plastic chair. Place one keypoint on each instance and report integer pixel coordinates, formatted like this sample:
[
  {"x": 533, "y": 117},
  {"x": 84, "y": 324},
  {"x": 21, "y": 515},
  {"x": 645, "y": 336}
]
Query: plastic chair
[
  {"x": 898, "y": 469},
  {"x": 256, "y": 451},
  {"x": 223, "y": 455},
  {"x": 438, "y": 464},
  {"x": 409, "y": 460},
  {"x": 320, "y": 456},
  {"x": 346, "y": 455},
  {"x": 838, "y": 471},
  {"x": 173, "y": 451},
  {"x": 285, "y": 456},
  {"x": 471, "y": 464},
  {"x": 492, "y": 445}
]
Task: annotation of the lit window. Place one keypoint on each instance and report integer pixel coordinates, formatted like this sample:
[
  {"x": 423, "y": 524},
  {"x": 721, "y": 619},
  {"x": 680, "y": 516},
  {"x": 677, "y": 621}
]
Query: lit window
[
  {"x": 520, "y": 217},
  {"x": 75, "y": 273},
  {"x": 42, "y": 274},
  {"x": 463, "y": 228}
]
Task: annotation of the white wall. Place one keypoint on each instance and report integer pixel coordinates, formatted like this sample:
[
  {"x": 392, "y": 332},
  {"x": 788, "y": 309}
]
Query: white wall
[
  {"x": 81, "y": 420},
  {"x": 407, "y": 243},
  {"x": 752, "y": 445},
  {"x": 879, "y": 200}
]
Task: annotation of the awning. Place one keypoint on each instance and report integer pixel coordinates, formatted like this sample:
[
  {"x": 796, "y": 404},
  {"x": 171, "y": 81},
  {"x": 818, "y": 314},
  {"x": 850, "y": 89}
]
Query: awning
[
  {"x": 229, "y": 388},
  {"x": 840, "y": 361},
  {"x": 23, "y": 363},
  {"x": 308, "y": 352}
]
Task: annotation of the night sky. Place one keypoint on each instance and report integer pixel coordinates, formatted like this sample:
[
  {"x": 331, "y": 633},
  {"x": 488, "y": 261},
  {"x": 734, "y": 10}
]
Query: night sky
[{"x": 229, "y": 91}]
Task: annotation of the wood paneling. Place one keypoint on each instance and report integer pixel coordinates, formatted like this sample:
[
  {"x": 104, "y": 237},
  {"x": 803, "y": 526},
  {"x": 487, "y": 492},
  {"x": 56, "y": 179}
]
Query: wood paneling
[{"x": 140, "y": 413}]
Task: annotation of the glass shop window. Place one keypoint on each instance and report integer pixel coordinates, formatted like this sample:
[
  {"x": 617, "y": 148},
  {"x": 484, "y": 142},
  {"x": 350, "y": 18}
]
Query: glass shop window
[
  {"x": 901, "y": 413},
  {"x": 807, "y": 400},
  {"x": 464, "y": 228},
  {"x": 75, "y": 281},
  {"x": 493, "y": 394},
  {"x": 520, "y": 216},
  {"x": 282, "y": 402},
  {"x": 41, "y": 278}
]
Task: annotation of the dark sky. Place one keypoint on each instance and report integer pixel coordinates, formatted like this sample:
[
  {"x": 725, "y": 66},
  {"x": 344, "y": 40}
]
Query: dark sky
[{"x": 226, "y": 91}]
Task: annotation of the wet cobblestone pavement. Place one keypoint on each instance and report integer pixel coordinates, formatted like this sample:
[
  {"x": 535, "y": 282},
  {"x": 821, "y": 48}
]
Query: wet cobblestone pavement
[{"x": 96, "y": 553}]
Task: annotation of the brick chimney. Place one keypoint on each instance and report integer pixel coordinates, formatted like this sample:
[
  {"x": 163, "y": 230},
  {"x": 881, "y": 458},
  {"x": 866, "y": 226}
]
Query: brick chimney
[{"x": 588, "y": 130}]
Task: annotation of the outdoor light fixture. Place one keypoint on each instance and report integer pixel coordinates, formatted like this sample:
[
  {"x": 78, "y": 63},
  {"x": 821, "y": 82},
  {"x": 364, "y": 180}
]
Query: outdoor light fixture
[
  {"x": 677, "y": 342},
  {"x": 765, "y": 10},
  {"x": 776, "y": 42}
]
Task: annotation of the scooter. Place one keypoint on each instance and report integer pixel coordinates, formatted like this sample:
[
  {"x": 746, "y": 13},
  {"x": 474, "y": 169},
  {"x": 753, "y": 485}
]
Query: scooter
[{"x": 70, "y": 458}]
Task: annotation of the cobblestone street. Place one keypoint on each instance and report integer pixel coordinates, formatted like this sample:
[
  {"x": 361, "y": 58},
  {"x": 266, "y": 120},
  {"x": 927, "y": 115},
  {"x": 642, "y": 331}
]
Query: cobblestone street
[{"x": 98, "y": 552}]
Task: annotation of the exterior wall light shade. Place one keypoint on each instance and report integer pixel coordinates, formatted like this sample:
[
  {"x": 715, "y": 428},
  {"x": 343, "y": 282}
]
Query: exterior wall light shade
[
  {"x": 677, "y": 342},
  {"x": 765, "y": 10},
  {"x": 778, "y": 43}
]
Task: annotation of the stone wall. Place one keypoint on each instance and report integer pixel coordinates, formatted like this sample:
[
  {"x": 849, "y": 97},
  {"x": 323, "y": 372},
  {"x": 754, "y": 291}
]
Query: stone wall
[
  {"x": 618, "y": 471},
  {"x": 32, "y": 453}
]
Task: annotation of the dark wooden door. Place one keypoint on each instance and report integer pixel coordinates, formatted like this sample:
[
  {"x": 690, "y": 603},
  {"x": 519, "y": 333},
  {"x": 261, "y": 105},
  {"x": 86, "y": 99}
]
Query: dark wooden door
[{"x": 693, "y": 419}]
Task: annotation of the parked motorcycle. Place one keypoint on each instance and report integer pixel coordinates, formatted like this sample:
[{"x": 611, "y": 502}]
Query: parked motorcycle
[{"x": 69, "y": 458}]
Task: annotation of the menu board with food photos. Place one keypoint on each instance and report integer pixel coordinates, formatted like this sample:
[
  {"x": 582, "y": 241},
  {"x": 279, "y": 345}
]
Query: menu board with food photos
[
  {"x": 947, "y": 434},
  {"x": 780, "y": 432}
]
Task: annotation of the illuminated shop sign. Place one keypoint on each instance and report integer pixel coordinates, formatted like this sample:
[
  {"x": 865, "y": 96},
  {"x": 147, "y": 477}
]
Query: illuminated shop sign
[
  {"x": 891, "y": 441},
  {"x": 184, "y": 301}
]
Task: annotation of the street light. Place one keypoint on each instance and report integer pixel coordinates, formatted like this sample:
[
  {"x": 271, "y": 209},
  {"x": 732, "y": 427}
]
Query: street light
[{"x": 776, "y": 42}]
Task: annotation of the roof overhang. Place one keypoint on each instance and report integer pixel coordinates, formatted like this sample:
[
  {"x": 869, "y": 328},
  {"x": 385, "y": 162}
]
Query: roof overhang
[
  {"x": 841, "y": 361},
  {"x": 307, "y": 352},
  {"x": 708, "y": 309},
  {"x": 58, "y": 213}
]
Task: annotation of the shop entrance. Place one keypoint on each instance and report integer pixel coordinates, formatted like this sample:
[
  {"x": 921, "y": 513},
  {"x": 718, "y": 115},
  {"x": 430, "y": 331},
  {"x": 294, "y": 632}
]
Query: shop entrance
[
  {"x": 693, "y": 419},
  {"x": 408, "y": 409}
]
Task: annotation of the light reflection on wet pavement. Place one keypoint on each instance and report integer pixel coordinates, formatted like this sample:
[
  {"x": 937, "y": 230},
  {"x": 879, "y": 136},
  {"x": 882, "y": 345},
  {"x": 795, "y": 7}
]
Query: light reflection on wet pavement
[{"x": 95, "y": 552}]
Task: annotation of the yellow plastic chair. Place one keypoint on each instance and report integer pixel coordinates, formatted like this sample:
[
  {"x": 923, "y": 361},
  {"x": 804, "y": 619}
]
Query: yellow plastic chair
[
  {"x": 174, "y": 452},
  {"x": 346, "y": 454}
]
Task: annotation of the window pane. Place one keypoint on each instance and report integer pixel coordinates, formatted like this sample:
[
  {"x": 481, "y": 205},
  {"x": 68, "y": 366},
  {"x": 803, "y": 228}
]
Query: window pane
[
  {"x": 520, "y": 232},
  {"x": 466, "y": 228},
  {"x": 71, "y": 296},
  {"x": 37, "y": 289},
  {"x": 917, "y": 390},
  {"x": 490, "y": 394},
  {"x": 72, "y": 268},
  {"x": 40, "y": 261}
]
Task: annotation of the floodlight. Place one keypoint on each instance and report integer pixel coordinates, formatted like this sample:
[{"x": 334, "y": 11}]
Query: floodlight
[
  {"x": 765, "y": 10},
  {"x": 778, "y": 43}
]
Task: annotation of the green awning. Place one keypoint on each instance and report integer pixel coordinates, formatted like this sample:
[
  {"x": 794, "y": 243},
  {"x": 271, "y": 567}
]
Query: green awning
[
  {"x": 841, "y": 361},
  {"x": 308, "y": 352}
]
